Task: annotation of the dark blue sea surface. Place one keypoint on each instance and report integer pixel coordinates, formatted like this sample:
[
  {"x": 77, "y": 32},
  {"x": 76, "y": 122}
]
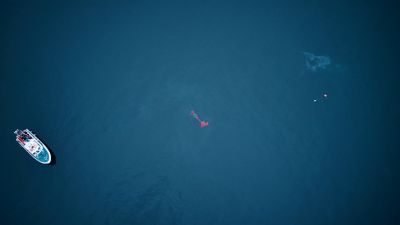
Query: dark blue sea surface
[{"x": 109, "y": 86}]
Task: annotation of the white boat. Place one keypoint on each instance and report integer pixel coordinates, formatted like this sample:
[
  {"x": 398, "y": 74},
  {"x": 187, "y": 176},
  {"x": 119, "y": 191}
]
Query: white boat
[{"x": 33, "y": 146}]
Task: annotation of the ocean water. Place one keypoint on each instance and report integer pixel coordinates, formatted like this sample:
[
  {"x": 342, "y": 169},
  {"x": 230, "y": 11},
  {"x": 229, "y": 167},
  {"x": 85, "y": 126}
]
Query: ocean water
[{"x": 109, "y": 86}]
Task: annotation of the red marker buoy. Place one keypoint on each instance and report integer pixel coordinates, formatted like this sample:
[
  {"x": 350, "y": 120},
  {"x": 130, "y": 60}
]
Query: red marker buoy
[{"x": 202, "y": 123}]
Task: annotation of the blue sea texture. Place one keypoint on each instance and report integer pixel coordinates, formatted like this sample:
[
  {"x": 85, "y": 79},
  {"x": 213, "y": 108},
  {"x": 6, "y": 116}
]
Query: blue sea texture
[{"x": 109, "y": 87}]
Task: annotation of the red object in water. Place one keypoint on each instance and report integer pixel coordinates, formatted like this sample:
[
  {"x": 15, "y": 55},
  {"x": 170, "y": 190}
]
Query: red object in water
[{"x": 202, "y": 123}]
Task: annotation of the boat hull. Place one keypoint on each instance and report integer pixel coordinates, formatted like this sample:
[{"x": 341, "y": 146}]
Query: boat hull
[{"x": 36, "y": 148}]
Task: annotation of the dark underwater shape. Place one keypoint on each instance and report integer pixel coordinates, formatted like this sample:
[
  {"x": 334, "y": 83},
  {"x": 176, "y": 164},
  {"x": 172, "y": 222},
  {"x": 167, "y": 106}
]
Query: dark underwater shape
[{"x": 316, "y": 63}]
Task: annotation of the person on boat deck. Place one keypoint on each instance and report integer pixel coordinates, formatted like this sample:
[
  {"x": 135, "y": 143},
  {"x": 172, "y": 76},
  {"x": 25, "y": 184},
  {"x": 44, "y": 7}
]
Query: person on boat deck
[{"x": 25, "y": 136}]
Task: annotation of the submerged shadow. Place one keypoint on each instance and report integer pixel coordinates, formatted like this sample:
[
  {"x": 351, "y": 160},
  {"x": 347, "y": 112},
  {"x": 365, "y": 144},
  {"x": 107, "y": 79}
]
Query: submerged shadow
[{"x": 53, "y": 157}]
